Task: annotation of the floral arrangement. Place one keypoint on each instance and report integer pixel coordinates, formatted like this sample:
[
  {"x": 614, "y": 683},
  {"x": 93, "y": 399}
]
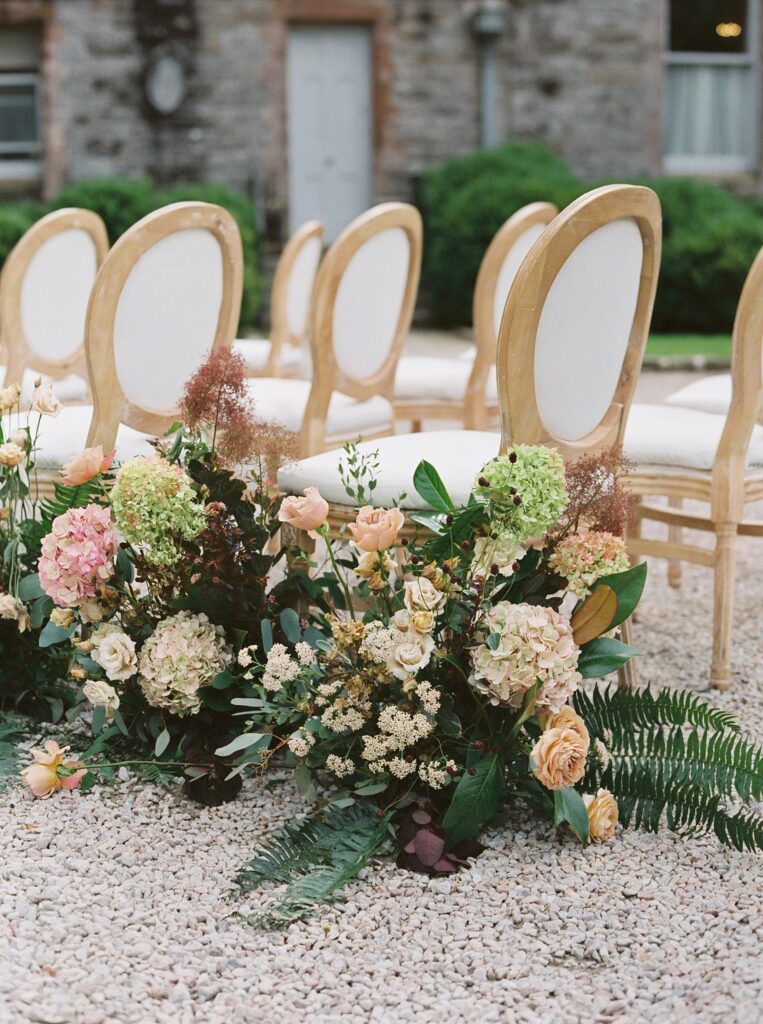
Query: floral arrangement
[{"x": 417, "y": 672}]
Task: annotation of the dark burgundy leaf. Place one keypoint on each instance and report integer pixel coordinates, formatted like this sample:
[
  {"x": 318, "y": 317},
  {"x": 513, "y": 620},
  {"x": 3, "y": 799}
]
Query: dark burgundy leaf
[
  {"x": 421, "y": 817},
  {"x": 428, "y": 846}
]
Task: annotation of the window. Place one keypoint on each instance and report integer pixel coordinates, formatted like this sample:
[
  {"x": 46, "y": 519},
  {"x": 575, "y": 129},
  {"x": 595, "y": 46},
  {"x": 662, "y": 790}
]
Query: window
[
  {"x": 20, "y": 122},
  {"x": 710, "y": 114}
]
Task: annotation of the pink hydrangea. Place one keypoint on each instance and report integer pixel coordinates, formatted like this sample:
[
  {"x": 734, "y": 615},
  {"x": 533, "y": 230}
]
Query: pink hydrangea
[
  {"x": 582, "y": 558},
  {"x": 77, "y": 555}
]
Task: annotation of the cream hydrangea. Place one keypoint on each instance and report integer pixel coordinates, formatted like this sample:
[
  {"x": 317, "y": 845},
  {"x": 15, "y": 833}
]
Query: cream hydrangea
[
  {"x": 184, "y": 653},
  {"x": 522, "y": 643},
  {"x": 526, "y": 489},
  {"x": 582, "y": 558},
  {"x": 155, "y": 507}
]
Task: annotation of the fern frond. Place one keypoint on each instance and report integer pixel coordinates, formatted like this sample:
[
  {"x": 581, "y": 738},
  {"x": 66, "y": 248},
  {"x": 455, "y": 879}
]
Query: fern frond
[
  {"x": 609, "y": 710},
  {"x": 315, "y": 858},
  {"x": 159, "y": 774}
]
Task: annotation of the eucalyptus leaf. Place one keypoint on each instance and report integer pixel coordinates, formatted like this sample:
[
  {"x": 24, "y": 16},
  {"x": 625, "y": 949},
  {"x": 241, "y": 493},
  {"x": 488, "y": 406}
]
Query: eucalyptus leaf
[
  {"x": 53, "y": 634},
  {"x": 430, "y": 487},
  {"x": 570, "y": 807},
  {"x": 243, "y": 742},
  {"x": 30, "y": 589},
  {"x": 162, "y": 742},
  {"x": 290, "y": 625}
]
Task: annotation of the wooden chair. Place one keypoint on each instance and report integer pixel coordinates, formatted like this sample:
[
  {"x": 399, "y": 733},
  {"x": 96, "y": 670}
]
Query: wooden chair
[
  {"x": 362, "y": 309},
  {"x": 570, "y": 347},
  {"x": 44, "y": 291},
  {"x": 283, "y": 354},
  {"x": 168, "y": 292},
  {"x": 683, "y": 453},
  {"x": 442, "y": 388}
]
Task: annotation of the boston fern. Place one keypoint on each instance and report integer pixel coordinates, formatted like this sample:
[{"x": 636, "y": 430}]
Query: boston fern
[{"x": 673, "y": 755}]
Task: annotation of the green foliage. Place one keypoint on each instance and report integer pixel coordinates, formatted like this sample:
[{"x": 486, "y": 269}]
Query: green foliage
[
  {"x": 710, "y": 236},
  {"x": 315, "y": 858},
  {"x": 476, "y": 798},
  {"x": 15, "y": 219},
  {"x": 120, "y": 202},
  {"x": 673, "y": 755},
  {"x": 13, "y": 730}
]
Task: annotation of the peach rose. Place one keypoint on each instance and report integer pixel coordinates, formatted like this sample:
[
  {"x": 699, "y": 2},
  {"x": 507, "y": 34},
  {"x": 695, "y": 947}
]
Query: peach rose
[
  {"x": 308, "y": 513},
  {"x": 567, "y": 718},
  {"x": 44, "y": 401},
  {"x": 602, "y": 815},
  {"x": 559, "y": 758},
  {"x": 85, "y": 466},
  {"x": 50, "y": 772},
  {"x": 376, "y": 529}
]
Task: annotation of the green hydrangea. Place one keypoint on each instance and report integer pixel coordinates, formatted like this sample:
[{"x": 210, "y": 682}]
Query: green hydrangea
[
  {"x": 155, "y": 507},
  {"x": 526, "y": 490}
]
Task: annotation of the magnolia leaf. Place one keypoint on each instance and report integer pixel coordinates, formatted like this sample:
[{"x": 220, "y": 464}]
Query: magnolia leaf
[
  {"x": 594, "y": 616},
  {"x": 604, "y": 655},
  {"x": 476, "y": 798},
  {"x": 430, "y": 487},
  {"x": 628, "y": 586},
  {"x": 569, "y": 806}
]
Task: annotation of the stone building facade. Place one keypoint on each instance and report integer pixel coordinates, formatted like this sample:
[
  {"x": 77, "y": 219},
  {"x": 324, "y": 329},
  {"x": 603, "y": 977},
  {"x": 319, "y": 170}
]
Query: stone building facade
[{"x": 205, "y": 90}]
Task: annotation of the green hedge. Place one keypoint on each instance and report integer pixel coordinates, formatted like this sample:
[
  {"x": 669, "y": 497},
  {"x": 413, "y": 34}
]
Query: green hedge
[
  {"x": 710, "y": 237},
  {"x": 123, "y": 201}
]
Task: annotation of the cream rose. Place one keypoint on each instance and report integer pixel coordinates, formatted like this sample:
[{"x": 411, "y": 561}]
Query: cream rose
[
  {"x": 308, "y": 513},
  {"x": 91, "y": 610},
  {"x": 559, "y": 758},
  {"x": 9, "y": 397},
  {"x": 9, "y": 607},
  {"x": 101, "y": 695},
  {"x": 421, "y": 595},
  {"x": 376, "y": 529},
  {"x": 114, "y": 651},
  {"x": 411, "y": 655},
  {"x": 11, "y": 454},
  {"x": 19, "y": 437},
  {"x": 44, "y": 401},
  {"x": 85, "y": 466},
  {"x": 602, "y": 815},
  {"x": 62, "y": 617},
  {"x": 375, "y": 566}
]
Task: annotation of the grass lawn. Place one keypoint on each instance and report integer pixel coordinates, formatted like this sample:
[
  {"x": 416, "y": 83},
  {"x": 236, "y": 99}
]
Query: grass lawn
[{"x": 712, "y": 346}]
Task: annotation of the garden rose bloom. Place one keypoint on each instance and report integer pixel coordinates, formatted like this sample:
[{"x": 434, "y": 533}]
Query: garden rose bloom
[
  {"x": 560, "y": 757},
  {"x": 77, "y": 555},
  {"x": 9, "y": 607},
  {"x": 19, "y": 437},
  {"x": 421, "y": 595},
  {"x": 376, "y": 529},
  {"x": 50, "y": 772},
  {"x": 9, "y": 397},
  {"x": 62, "y": 617},
  {"x": 11, "y": 454},
  {"x": 523, "y": 643},
  {"x": 308, "y": 513},
  {"x": 101, "y": 695},
  {"x": 85, "y": 466},
  {"x": 568, "y": 718},
  {"x": 114, "y": 651},
  {"x": 602, "y": 815},
  {"x": 91, "y": 610},
  {"x": 411, "y": 655},
  {"x": 44, "y": 401}
]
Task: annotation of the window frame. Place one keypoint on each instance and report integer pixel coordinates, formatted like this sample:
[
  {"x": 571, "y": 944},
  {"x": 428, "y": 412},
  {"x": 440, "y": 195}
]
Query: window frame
[{"x": 676, "y": 163}]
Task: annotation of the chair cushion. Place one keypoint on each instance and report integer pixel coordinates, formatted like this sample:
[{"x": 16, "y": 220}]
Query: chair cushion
[
  {"x": 458, "y": 456},
  {"x": 666, "y": 436},
  {"x": 708, "y": 394},
  {"x": 468, "y": 354},
  {"x": 256, "y": 352},
  {"x": 279, "y": 400},
  {"x": 65, "y": 435},
  {"x": 437, "y": 379}
]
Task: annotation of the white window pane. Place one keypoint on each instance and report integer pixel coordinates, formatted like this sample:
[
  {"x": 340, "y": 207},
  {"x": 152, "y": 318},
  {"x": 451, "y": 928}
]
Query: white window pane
[{"x": 710, "y": 113}]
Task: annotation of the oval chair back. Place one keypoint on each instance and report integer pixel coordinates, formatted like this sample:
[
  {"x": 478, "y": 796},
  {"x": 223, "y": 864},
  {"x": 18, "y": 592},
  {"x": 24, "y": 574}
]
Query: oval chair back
[
  {"x": 576, "y": 322},
  {"x": 499, "y": 266},
  {"x": 168, "y": 293},
  {"x": 362, "y": 310},
  {"x": 44, "y": 292},
  {"x": 292, "y": 292}
]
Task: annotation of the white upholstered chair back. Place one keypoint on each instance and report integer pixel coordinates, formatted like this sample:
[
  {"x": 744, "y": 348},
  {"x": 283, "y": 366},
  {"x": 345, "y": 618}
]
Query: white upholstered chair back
[
  {"x": 44, "y": 293},
  {"x": 167, "y": 294},
  {"x": 576, "y": 321},
  {"x": 293, "y": 285}
]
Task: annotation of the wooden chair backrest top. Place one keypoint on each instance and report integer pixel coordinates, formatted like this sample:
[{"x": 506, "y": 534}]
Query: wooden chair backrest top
[
  {"x": 293, "y": 285},
  {"x": 168, "y": 293},
  {"x": 363, "y": 304},
  {"x": 44, "y": 292},
  {"x": 576, "y": 322}
]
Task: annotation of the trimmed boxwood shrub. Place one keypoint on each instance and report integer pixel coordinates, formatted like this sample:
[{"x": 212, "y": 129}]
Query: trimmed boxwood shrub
[
  {"x": 710, "y": 236},
  {"x": 123, "y": 201}
]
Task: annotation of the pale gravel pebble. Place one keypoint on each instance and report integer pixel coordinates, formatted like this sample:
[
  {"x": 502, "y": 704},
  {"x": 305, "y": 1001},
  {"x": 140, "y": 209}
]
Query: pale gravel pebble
[{"x": 115, "y": 907}]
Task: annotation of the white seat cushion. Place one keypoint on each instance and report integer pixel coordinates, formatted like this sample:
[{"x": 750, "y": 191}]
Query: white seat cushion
[
  {"x": 256, "y": 352},
  {"x": 63, "y": 436},
  {"x": 709, "y": 394},
  {"x": 468, "y": 354},
  {"x": 435, "y": 379},
  {"x": 457, "y": 455},
  {"x": 279, "y": 400},
  {"x": 665, "y": 436}
]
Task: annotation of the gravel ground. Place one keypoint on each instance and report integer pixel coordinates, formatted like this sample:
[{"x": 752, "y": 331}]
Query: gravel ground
[{"x": 116, "y": 907}]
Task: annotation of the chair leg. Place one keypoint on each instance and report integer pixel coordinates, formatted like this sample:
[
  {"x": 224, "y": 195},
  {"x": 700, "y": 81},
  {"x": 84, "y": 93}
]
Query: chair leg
[
  {"x": 675, "y": 535},
  {"x": 634, "y": 529},
  {"x": 627, "y": 676},
  {"x": 723, "y": 617},
  {"x": 415, "y": 426}
]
